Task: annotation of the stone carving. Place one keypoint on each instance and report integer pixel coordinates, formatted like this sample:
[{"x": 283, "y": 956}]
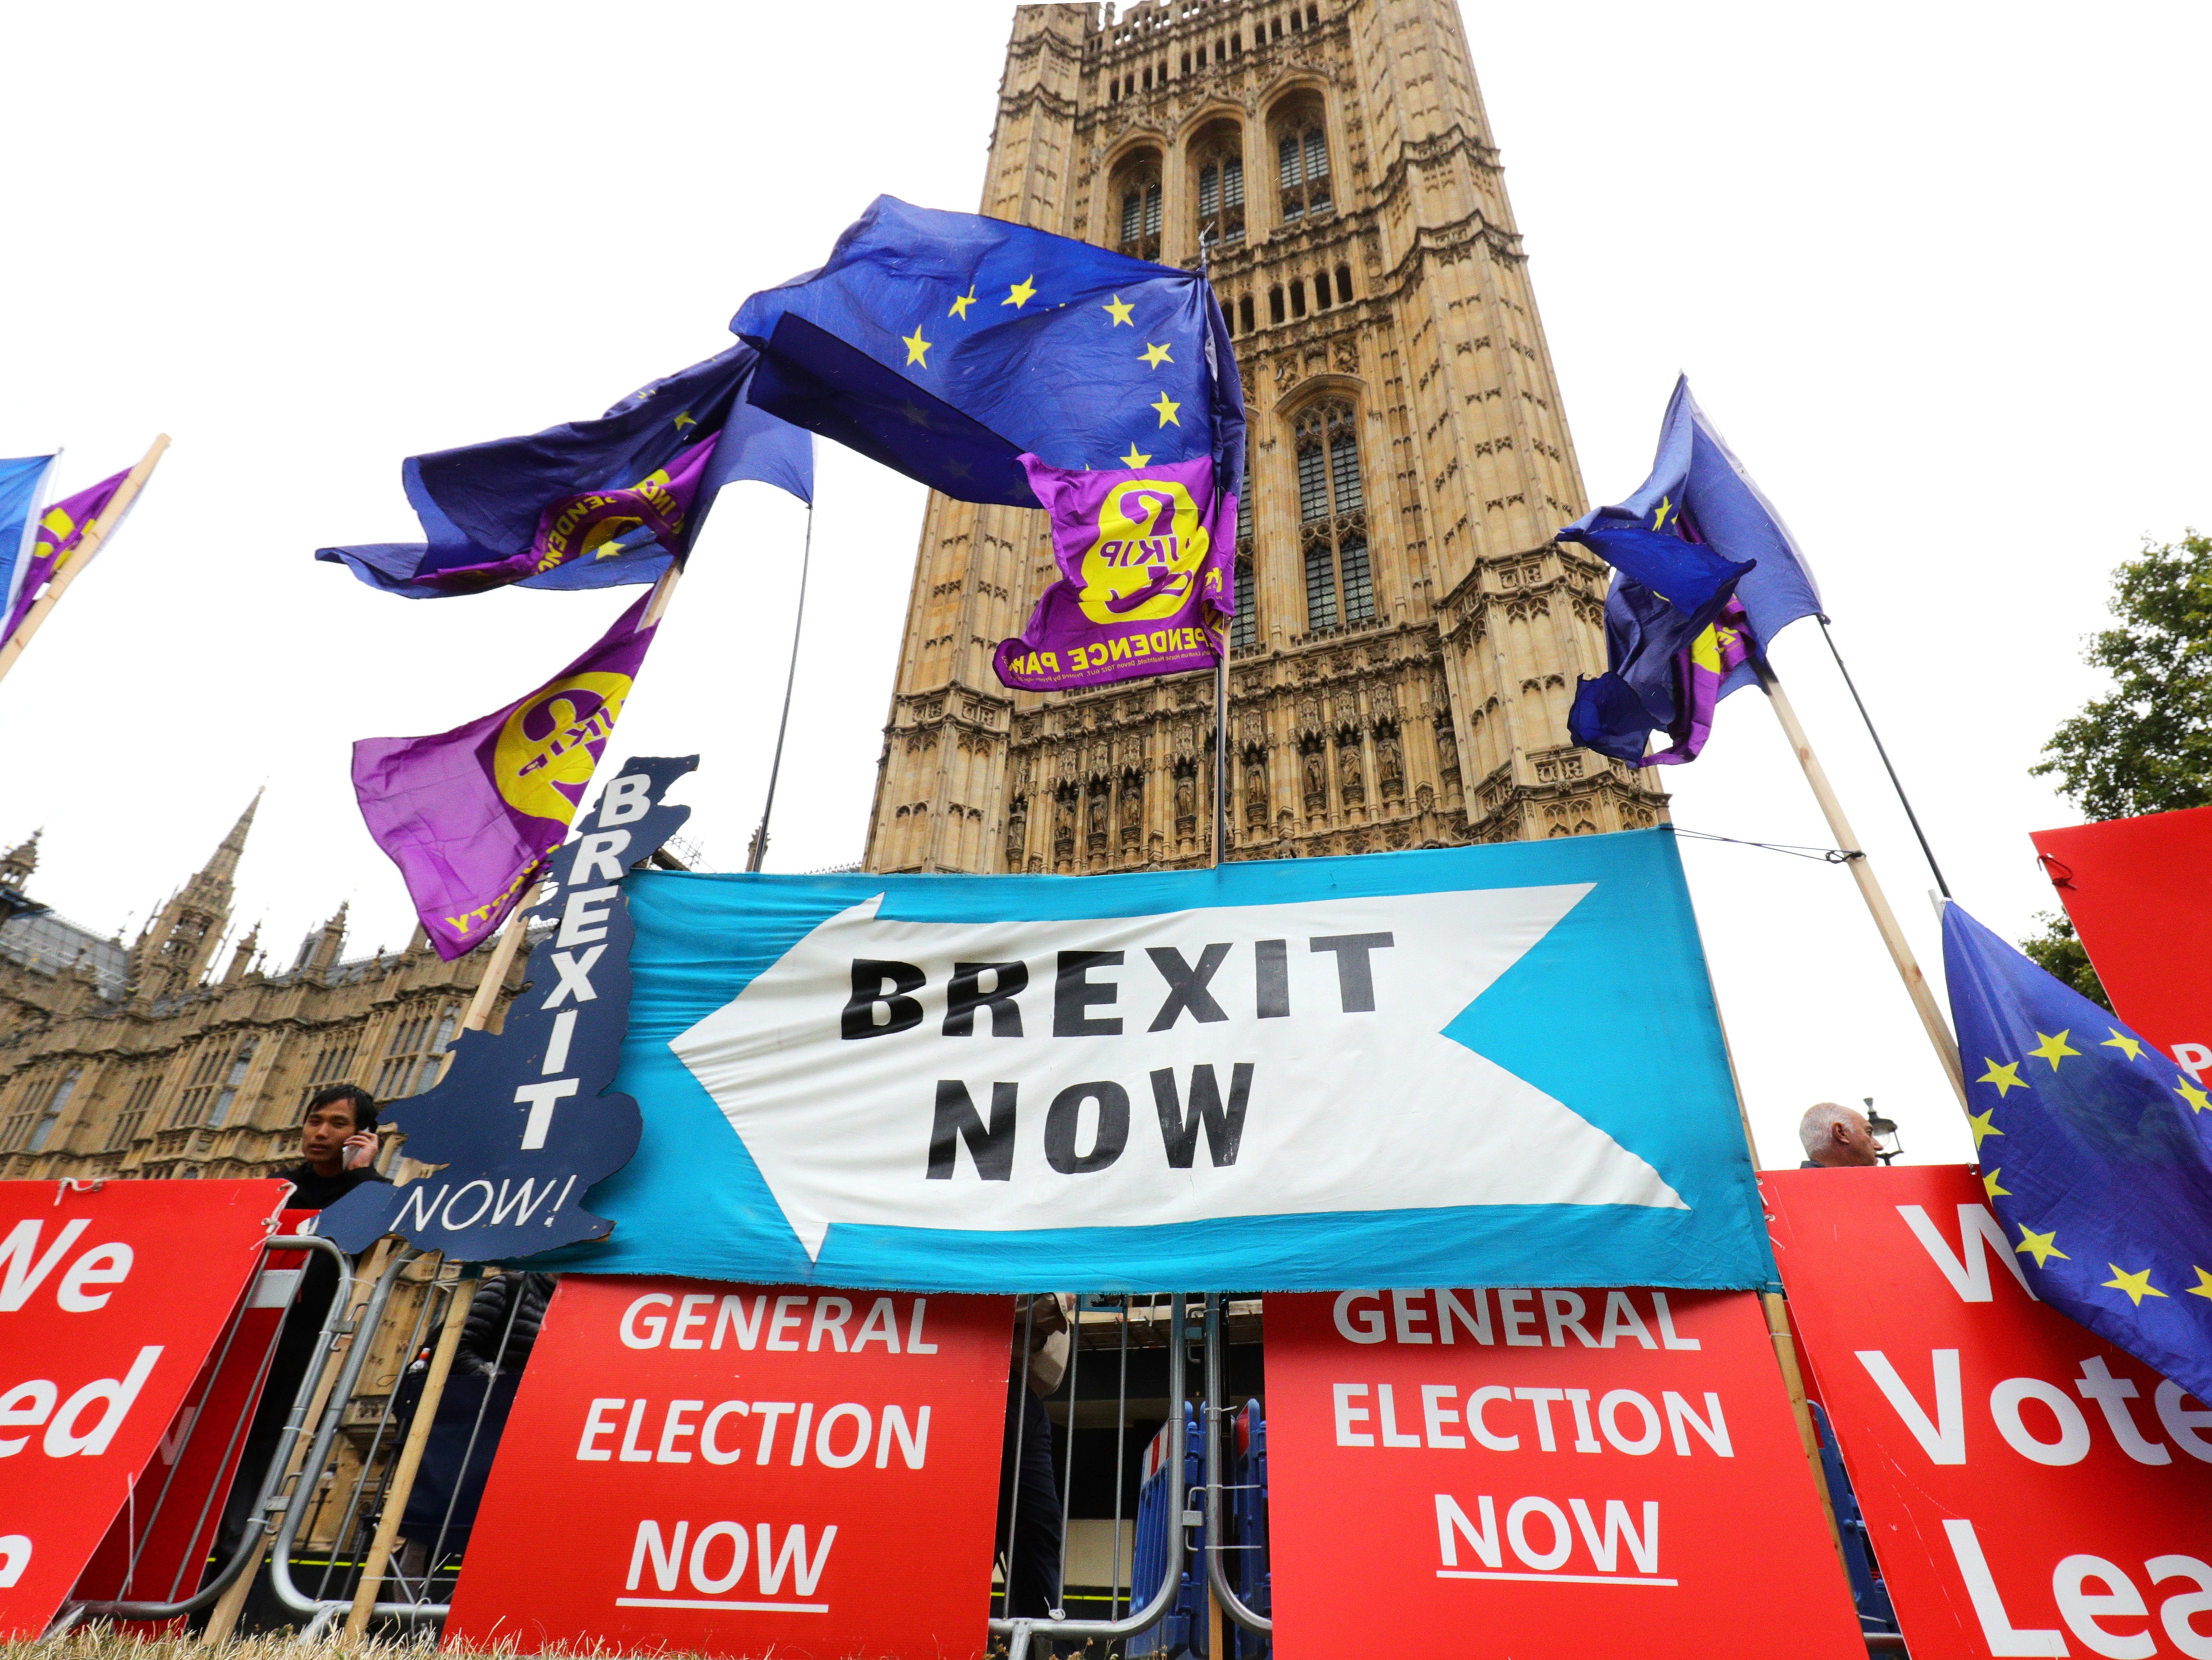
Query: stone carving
[
  {"x": 1390, "y": 763},
  {"x": 1317, "y": 781},
  {"x": 1447, "y": 751},
  {"x": 1018, "y": 830},
  {"x": 1352, "y": 788},
  {"x": 1256, "y": 802}
]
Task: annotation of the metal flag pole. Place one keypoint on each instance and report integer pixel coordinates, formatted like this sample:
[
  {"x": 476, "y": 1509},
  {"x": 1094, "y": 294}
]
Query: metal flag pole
[
  {"x": 758, "y": 851},
  {"x": 1221, "y": 756},
  {"x": 86, "y": 548},
  {"x": 1896, "y": 783},
  {"x": 1862, "y": 868}
]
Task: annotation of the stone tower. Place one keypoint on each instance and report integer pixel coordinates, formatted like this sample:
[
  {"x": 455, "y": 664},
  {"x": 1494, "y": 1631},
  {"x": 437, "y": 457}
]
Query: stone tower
[
  {"x": 174, "y": 949},
  {"x": 1409, "y": 635}
]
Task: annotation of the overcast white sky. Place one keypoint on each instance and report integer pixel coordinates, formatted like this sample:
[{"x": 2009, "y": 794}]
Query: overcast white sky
[{"x": 1938, "y": 270}]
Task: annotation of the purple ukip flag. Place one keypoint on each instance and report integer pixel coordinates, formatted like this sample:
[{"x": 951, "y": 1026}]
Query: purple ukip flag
[
  {"x": 578, "y": 526},
  {"x": 62, "y": 530},
  {"x": 1147, "y": 577},
  {"x": 1700, "y": 670},
  {"x": 468, "y": 815}
]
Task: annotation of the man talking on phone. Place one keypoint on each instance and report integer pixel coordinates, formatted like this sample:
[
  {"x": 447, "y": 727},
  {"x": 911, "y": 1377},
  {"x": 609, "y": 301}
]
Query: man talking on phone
[{"x": 337, "y": 1147}]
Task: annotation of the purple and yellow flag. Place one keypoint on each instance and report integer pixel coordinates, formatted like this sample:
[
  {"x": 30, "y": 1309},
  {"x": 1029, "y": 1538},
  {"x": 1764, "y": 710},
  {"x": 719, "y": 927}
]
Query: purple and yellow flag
[
  {"x": 468, "y": 815},
  {"x": 1147, "y": 577},
  {"x": 1701, "y": 672},
  {"x": 61, "y": 531}
]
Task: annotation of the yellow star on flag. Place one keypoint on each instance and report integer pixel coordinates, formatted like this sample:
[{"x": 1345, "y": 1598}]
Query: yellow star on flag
[
  {"x": 1119, "y": 309},
  {"x": 2041, "y": 1246},
  {"x": 2132, "y": 1048},
  {"x": 1018, "y": 296},
  {"x": 2137, "y": 1285},
  {"x": 1154, "y": 354},
  {"x": 2053, "y": 1049},
  {"x": 1167, "y": 406},
  {"x": 1666, "y": 506},
  {"x": 917, "y": 348},
  {"x": 1989, "y": 1184},
  {"x": 2006, "y": 1078},
  {"x": 961, "y": 303},
  {"x": 1135, "y": 458},
  {"x": 2203, "y": 1286},
  {"x": 686, "y": 419},
  {"x": 1981, "y": 1127},
  {"x": 2196, "y": 1098}
]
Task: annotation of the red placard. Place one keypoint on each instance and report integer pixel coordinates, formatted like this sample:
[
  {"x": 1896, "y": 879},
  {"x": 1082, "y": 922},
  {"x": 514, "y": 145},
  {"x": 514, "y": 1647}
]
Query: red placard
[
  {"x": 2031, "y": 1490},
  {"x": 2139, "y": 892},
  {"x": 1558, "y": 1473},
  {"x": 156, "y": 1549},
  {"x": 112, "y": 1294},
  {"x": 734, "y": 1469}
]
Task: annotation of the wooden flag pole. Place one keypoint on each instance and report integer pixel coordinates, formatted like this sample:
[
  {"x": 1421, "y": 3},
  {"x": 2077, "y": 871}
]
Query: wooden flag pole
[
  {"x": 90, "y": 546},
  {"x": 1862, "y": 869}
]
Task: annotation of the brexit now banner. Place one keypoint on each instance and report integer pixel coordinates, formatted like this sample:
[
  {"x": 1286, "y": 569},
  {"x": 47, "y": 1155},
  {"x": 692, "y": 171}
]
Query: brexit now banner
[{"x": 1500, "y": 1063}]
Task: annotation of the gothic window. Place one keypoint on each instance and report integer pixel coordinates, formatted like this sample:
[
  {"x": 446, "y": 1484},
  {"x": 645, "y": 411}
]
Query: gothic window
[
  {"x": 125, "y": 1130},
  {"x": 200, "y": 1085},
  {"x": 1137, "y": 188},
  {"x": 1321, "y": 290},
  {"x": 1302, "y": 161},
  {"x": 1244, "y": 314},
  {"x": 1219, "y": 154},
  {"x": 241, "y": 1064},
  {"x": 50, "y": 1112},
  {"x": 417, "y": 1052},
  {"x": 1275, "y": 304},
  {"x": 1344, "y": 285},
  {"x": 1333, "y": 517},
  {"x": 1298, "y": 296}
]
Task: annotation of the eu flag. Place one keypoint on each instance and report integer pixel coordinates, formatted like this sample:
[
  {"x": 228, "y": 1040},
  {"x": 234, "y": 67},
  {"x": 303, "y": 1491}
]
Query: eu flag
[
  {"x": 1698, "y": 493},
  {"x": 2096, "y": 1150},
  {"x": 588, "y": 504},
  {"x": 946, "y": 345}
]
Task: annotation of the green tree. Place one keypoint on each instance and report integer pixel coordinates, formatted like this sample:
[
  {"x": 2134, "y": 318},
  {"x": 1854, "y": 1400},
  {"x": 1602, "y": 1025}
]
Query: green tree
[{"x": 2146, "y": 746}]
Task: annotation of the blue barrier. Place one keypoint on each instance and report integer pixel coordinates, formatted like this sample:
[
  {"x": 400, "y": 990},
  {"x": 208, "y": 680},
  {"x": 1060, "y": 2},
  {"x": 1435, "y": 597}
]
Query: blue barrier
[
  {"x": 1182, "y": 1629},
  {"x": 1246, "y": 1504},
  {"x": 1868, "y": 1594}
]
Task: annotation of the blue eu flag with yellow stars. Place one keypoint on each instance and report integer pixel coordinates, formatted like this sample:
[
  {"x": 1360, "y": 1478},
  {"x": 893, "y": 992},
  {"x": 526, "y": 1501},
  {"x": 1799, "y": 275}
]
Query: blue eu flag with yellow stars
[
  {"x": 2096, "y": 1150},
  {"x": 944, "y": 345}
]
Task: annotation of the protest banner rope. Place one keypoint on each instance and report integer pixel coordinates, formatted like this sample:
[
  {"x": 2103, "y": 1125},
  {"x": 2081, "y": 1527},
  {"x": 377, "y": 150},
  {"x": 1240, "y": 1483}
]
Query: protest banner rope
[
  {"x": 87, "y": 548},
  {"x": 1862, "y": 868}
]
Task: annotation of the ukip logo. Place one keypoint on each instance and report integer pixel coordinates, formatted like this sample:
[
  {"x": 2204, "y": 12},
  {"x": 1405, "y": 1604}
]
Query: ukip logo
[
  {"x": 1150, "y": 547},
  {"x": 546, "y": 752}
]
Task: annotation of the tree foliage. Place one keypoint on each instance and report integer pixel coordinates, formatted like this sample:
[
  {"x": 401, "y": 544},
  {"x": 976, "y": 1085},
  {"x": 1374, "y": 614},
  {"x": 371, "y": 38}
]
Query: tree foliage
[{"x": 2146, "y": 745}]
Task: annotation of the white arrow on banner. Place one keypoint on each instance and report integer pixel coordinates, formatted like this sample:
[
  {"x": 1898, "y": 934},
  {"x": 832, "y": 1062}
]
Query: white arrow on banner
[{"x": 1245, "y": 1061}]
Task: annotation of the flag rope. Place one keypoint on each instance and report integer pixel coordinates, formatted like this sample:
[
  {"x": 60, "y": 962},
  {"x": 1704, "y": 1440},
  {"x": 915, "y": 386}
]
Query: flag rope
[
  {"x": 1824, "y": 856},
  {"x": 1896, "y": 783}
]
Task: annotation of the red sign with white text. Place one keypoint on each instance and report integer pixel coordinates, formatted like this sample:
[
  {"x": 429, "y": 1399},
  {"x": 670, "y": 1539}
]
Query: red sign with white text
[
  {"x": 157, "y": 1547},
  {"x": 112, "y": 1295},
  {"x": 2139, "y": 892},
  {"x": 732, "y": 1469},
  {"x": 1502, "y": 1474},
  {"x": 2031, "y": 1490}
]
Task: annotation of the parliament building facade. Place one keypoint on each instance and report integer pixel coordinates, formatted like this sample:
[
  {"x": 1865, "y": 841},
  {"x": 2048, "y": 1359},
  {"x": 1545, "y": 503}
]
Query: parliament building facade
[
  {"x": 1409, "y": 635},
  {"x": 1406, "y": 650}
]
